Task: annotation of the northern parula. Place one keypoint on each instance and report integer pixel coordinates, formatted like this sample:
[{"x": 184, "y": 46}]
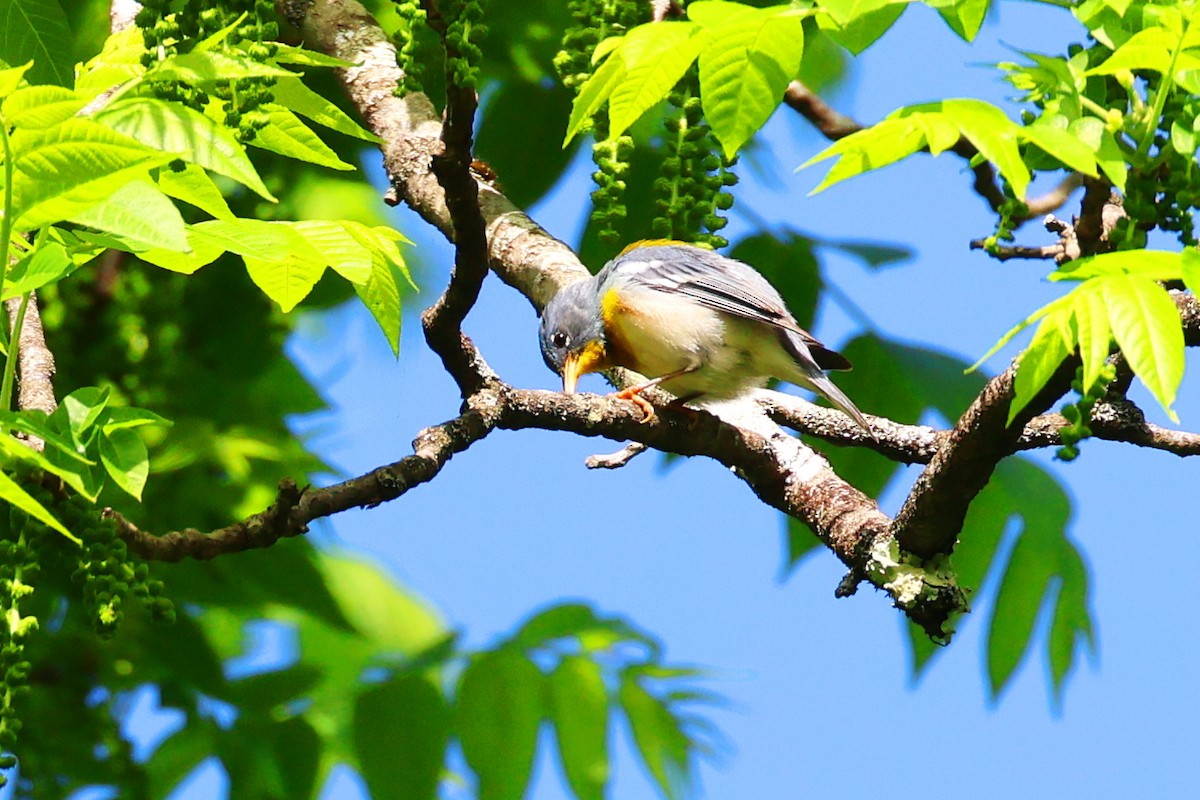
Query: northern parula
[{"x": 696, "y": 323}]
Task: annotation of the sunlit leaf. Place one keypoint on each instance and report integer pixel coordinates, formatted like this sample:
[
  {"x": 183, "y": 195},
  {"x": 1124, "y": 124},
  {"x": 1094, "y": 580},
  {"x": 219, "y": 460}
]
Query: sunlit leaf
[
  {"x": 745, "y": 67},
  {"x": 139, "y": 213},
  {"x": 124, "y": 457},
  {"x": 176, "y": 128},
  {"x": 12, "y": 493},
  {"x": 286, "y": 135},
  {"x": 655, "y": 57},
  {"x": 1146, "y": 325}
]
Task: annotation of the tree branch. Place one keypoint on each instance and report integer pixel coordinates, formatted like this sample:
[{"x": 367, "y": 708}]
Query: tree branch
[
  {"x": 932, "y": 516},
  {"x": 295, "y": 508},
  {"x": 452, "y": 167},
  {"x": 35, "y": 362}
]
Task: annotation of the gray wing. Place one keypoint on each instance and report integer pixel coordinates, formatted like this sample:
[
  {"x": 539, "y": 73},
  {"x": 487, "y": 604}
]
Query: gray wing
[{"x": 722, "y": 284}]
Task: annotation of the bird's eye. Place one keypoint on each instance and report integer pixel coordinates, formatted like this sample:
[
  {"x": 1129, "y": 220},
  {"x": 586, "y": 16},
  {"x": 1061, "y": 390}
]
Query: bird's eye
[{"x": 559, "y": 339}]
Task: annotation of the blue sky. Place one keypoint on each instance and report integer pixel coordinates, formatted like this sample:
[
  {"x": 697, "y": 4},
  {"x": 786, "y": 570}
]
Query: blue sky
[{"x": 821, "y": 703}]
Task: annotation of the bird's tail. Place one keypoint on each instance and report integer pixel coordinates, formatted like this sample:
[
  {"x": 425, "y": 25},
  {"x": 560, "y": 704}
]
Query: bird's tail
[
  {"x": 813, "y": 377},
  {"x": 819, "y": 382}
]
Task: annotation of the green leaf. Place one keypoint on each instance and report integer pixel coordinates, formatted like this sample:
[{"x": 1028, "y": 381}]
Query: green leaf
[
  {"x": 280, "y": 261},
  {"x": 1063, "y": 145},
  {"x": 179, "y": 755},
  {"x": 139, "y": 213},
  {"x": 63, "y": 170},
  {"x": 1092, "y": 332},
  {"x": 34, "y": 423},
  {"x": 11, "y": 77},
  {"x": 12, "y": 493},
  {"x": 129, "y": 417},
  {"x": 1146, "y": 325},
  {"x": 401, "y": 728},
  {"x": 286, "y": 135},
  {"x": 118, "y": 63},
  {"x": 338, "y": 247},
  {"x": 993, "y": 134},
  {"x": 1046, "y": 352},
  {"x": 47, "y": 263},
  {"x": 291, "y": 93},
  {"x": 1155, "y": 265},
  {"x": 745, "y": 67},
  {"x": 845, "y": 11},
  {"x": 123, "y": 454},
  {"x": 881, "y": 144},
  {"x": 1091, "y": 131},
  {"x": 1189, "y": 269},
  {"x": 41, "y": 106},
  {"x": 592, "y": 95},
  {"x": 203, "y": 250},
  {"x": 194, "y": 187},
  {"x": 82, "y": 408},
  {"x": 37, "y": 30},
  {"x": 579, "y": 709},
  {"x": 661, "y": 742},
  {"x": 498, "y": 710},
  {"x": 288, "y": 54},
  {"x": 800, "y": 542},
  {"x": 655, "y": 56},
  {"x": 175, "y": 128},
  {"x": 872, "y": 254},
  {"x": 1054, "y": 306},
  {"x": 1037, "y": 557},
  {"x": 581, "y": 622},
  {"x": 1149, "y": 48},
  {"x": 381, "y": 295},
  {"x": 1072, "y": 622},
  {"x": 863, "y": 30},
  {"x": 202, "y": 67},
  {"x": 381, "y": 610},
  {"x": 964, "y": 17}
]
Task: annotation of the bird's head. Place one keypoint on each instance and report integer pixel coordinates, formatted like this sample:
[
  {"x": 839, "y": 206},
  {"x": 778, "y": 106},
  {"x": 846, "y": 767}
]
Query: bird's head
[{"x": 572, "y": 334}]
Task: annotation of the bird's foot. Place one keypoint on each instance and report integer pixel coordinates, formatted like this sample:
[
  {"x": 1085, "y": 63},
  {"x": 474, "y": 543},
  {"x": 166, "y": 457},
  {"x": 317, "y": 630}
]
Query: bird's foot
[{"x": 633, "y": 394}]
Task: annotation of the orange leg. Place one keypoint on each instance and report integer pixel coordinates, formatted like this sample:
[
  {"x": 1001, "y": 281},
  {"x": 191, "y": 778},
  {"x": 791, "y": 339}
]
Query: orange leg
[{"x": 633, "y": 394}]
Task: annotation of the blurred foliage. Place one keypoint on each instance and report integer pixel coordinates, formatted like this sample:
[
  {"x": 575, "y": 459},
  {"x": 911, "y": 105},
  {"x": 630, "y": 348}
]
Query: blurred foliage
[{"x": 371, "y": 676}]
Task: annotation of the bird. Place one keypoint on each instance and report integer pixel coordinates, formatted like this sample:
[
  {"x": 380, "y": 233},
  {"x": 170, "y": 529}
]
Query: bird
[{"x": 697, "y": 324}]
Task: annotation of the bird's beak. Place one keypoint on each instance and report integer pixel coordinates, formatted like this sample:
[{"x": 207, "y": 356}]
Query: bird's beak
[{"x": 590, "y": 359}]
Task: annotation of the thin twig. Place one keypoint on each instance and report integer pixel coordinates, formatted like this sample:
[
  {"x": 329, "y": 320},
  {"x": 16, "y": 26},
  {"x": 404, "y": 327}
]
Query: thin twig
[{"x": 295, "y": 508}]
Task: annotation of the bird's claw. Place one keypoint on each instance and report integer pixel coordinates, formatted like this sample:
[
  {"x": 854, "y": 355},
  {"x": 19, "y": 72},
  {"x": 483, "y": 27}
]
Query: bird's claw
[{"x": 632, "y": 394}]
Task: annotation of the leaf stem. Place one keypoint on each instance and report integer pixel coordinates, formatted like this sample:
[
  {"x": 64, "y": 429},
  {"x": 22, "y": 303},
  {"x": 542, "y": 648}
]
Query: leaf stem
[
  {"x": 1161, "y": 92},
  {"x": 6, "y": 220},
  {"x": 10, "y": 363}
]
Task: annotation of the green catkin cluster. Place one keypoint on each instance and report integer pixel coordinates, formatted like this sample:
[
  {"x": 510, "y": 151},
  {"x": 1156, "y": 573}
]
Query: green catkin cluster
[
  {"x": 689, "y": 194},
  {"x": 1010, "y": 214},
  {"x": 611, "y": 157},
  {"x": 464, "y": 31},
  {"x": 1079, "y": 413},
  {"x": 595, "y": 20},
  {"x": 18, "y": 569},
  {"x": 414, "y": 17},
  {"x": 107, "y": 580},
  {"x": 106, "y": 575},
  {"x": 166, "y": 33}
]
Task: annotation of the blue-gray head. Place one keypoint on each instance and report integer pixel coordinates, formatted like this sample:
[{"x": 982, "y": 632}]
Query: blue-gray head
[{"x": 572, "y": 333}]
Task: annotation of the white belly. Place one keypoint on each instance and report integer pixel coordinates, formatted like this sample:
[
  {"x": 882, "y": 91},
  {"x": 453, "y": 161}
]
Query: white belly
[{"x": 728, "y": 355}]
